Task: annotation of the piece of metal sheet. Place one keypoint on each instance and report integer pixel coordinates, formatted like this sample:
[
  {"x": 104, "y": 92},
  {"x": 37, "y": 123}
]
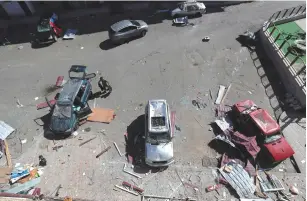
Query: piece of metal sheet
[
  {"x": 239, "y": 179},
  {"x": 5, "y": 130}
]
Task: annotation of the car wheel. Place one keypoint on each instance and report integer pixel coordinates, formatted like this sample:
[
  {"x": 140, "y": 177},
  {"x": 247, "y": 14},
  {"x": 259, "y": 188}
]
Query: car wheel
[
  {"x": 76, "y": 126},
  {"x": 143, "y": 33},
  {"x": 198, "y": 14}
]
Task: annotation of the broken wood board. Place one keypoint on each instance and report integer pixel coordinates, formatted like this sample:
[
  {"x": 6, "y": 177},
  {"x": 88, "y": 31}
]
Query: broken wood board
[
  {"x": 101, "y": 115},
  {"x": 8, "y": 155},
  {"x": 220, "y": 95},
  {"x": 45, "y": 104},
  {"x": 226, "y": 93}
]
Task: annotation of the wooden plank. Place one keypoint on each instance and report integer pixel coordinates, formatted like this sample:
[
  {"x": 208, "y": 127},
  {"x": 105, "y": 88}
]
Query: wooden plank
[
  {"x": 5, "y": 171},
  {"x": 8, "y": 155}
]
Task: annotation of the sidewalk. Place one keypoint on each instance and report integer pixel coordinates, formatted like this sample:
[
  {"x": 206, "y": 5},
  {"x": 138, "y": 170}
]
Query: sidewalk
[{"x": 294, "y": 130}]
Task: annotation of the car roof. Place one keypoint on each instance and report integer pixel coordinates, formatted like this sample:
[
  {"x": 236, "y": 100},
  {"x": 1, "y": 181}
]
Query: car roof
[
  {"x": 264, "y": 121},
  {"x": 156, "y": 109},
  {"x": 244, "y": 105},
  {"x": 121, "y": 24},
  {"x": 70, "y": 90}
]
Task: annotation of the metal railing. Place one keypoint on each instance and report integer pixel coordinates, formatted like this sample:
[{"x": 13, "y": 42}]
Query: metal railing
[
  {"x": 288, "y": 13},
  {"x": 301, "y": 73}
]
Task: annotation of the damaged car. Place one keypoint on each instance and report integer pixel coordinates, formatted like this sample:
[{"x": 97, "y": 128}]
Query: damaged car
[
  {"x": 71, "y": 102},
  {"x": 189, "y": 8},
  {"x": 158, "y": 134},
  {"x": 258, "y": 122}
]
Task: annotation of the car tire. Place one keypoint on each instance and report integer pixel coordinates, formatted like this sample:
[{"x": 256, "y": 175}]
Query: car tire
[
  {"x": 143, "y": 33},
  {"x": 198, "y": 14}
]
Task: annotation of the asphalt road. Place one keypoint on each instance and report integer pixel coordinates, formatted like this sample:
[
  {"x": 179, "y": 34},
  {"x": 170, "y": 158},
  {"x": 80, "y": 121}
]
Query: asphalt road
[{"x": 169, "y": 63}]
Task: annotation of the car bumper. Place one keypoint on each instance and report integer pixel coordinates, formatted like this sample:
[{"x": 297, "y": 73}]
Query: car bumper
[{"x": 159, "y": 163}]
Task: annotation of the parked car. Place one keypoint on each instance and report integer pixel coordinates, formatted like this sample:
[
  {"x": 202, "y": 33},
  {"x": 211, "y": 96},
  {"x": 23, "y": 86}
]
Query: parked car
[
  {"x": 71, "y": 102},
  {"x": 189, "y": 8},
  {"x": 158, "y": 134},
  {"x": 47, "y": 29},
  {"x": 125, "y": 30},
  {"x": 257, "y": 121}
]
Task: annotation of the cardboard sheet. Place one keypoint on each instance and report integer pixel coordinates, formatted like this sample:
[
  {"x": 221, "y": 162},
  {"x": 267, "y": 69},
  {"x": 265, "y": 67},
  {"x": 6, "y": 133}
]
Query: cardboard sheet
[{"x": 101, "y": 115}]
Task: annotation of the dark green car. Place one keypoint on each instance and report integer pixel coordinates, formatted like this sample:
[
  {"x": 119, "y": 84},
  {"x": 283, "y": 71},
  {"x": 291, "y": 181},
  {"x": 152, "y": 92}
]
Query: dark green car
[{"x": 71, "y": 101}]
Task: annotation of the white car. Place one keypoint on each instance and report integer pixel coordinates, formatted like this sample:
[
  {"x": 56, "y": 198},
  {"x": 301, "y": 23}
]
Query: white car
[
  {"x": 189, "y": 8},
  {"x": 158, "y": 134}
]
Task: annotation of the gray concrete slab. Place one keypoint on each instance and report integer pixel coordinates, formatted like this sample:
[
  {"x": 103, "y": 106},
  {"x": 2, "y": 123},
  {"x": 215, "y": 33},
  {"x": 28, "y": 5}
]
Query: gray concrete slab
[
  {"x": 169, "y": 62},
  {"x": 301, "y": 23}
]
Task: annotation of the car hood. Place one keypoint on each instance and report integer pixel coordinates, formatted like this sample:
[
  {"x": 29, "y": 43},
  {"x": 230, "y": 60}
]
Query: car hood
[
  {"x": 280, "y": 149},
  {"x": 176, "y": 10},
  {"x": 142, "y": 23},
  {"x": 161, "y": 152}
]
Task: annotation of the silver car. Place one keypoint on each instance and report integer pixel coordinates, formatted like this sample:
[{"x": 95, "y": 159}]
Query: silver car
[
  {"x": 125, "y": 30},
  {"x": 158, "y": 134},
  {"x": 189, "y": 8}
]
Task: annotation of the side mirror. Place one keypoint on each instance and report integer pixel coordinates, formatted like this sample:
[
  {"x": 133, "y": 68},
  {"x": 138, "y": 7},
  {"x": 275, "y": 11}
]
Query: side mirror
[{"x": 90, "y": 76}]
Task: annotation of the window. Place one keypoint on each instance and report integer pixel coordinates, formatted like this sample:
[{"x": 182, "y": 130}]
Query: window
[
  {"x": 190, "y": 8},
  {"x": 62, "y": 111},
  {"x": 127, "y": 29}
]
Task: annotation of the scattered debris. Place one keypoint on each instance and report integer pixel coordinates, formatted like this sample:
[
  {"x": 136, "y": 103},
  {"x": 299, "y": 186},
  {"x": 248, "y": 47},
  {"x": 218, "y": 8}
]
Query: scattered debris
[
  {"x": 57, "y": 190},
  {"x": 20, "y": 47},
  {"x": 42, "y": 161},
  {"x": 86, "y": 141},
  {"x": 270, "y": 183},
  {"x": 199, "y": 104},
  {"x": 220, "y": 95},
  {"x": 56, "y": 148},
  {"x": 88, "y": 129},
  {"x": 25, "y": 186},
  {"x": 36, "y": 98},
  {"x": 206, "y": 39},
  {"x": 249, "y": 92},
  {"x": 139, "y": 190},
  {"x": 177, "y": 128},
  {"x": 226, "y": 93},
  {"x": 167, "y": 198},
  {"x": 120, "y": 154},
  {"x": 23, "y": 141},
  {"x": 239, "y": 179},
  {"x": 18, "y": 174},
  {"x": 198, "y": 122},
  {"x": 105, "y": 150},
  {"x": 45, "y": 104},
  {"x": 133, "y": 193},
  {"x": 294, "y": 190},
  {"x": 101, "y": 115},
  {"x": 75, "y": 133},
  {"x": 70, "y": 34},
  {"x": 81, "y": 48},
  {"x": 59, "y": 81},
  {"x": 5, "y": 130},
  {"x": 135, "y": 175}
]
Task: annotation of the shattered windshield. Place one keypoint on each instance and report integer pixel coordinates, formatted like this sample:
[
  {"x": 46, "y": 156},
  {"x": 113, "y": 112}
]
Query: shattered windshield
[
  {"x": 157, "y": 138},
  {"x": 272, "y": 138},
  {"x": 62, "y": 111}
]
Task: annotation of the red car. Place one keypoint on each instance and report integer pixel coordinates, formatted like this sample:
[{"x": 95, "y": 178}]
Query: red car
[{"x": 260, "y": 123}]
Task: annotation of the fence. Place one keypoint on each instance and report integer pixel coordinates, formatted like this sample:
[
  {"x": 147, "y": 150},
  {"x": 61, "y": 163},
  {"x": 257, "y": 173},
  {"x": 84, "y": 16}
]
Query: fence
[{"x": 299, "y": 71}]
